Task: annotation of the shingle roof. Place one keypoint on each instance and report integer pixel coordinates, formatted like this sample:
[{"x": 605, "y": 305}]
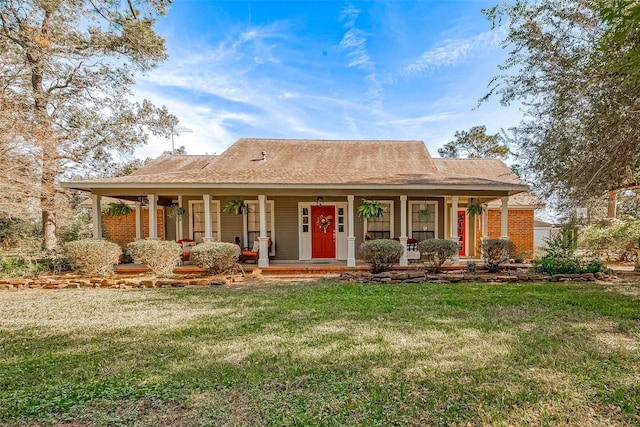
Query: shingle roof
[
  {"x": 320, "y": 162},
  {"x": 527, "y": 199}
]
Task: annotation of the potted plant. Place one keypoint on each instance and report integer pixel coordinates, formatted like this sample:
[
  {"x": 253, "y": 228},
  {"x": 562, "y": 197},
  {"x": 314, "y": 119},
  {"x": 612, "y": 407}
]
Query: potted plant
[
  {"x": 177, "y": 212},
  {"x": 370, "y": 209},
  {"x": 474, "y": 209},
  {"x": 117, "y": 209},
  {"x": 238, "y": 207}
]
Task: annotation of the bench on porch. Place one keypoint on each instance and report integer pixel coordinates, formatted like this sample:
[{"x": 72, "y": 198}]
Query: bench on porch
[{"x": 254, "y": 253}]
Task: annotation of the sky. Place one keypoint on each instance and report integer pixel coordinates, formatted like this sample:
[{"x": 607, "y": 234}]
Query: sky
[{"x": 405, "y": 70}]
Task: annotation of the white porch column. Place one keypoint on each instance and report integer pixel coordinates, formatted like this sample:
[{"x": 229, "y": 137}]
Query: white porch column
[
  {"x": 153, "y": 216},
  {"x": 351, "y": 238},
  {"x": 263, "y": 254},
  {"x": 403, "y": 229},
  {"x": 485, "y": 222},
  {"x": 96, "y": 216},
  {"x": 179, "y": 222},
  {"x": 139, "y": 223},
  {"x": 504, "y": 233},
  {"x": 454, "y": 226},
  {"x": 208, "y": 234}
]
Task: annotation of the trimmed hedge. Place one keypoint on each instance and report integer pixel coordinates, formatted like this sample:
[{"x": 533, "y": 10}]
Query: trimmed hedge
[
  {"x": 216, "y": 257},
  {"x": 496, "y": 252},
  {"x": 381, "y": 254},
  {"x": 93, "y": 256},
  {"x": 437, "y": 252},
  {"x": 161, "y": 256}
]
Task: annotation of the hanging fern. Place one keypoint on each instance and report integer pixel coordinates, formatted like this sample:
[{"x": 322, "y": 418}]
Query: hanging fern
[
  {"x": 370, "y": 209},
  {"x": 235, "y": 206},
  {"x": 474, "y": 210},
  {"x": 175, "y": 211},
  {"x": 117, "y": 209}
]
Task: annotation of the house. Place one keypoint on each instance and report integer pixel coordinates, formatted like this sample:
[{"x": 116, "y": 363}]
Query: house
[{"x": 303, "y": 195}]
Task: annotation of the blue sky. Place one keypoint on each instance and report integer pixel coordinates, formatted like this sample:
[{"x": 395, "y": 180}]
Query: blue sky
[{"x": 325, "y": 70}]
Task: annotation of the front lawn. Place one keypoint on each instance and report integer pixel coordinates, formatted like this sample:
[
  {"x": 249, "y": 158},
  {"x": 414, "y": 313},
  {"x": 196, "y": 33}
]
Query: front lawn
[{"x": 323, "y": 353}]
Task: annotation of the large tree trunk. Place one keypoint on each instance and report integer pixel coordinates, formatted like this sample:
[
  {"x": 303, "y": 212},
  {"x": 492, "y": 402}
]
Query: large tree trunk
[{"x": 612, "y": 200}]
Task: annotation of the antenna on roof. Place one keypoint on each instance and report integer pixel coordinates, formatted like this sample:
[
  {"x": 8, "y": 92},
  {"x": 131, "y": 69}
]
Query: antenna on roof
[{"x": 175, "y": 130}]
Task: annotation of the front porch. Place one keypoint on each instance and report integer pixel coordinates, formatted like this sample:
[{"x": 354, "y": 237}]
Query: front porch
[{"x": 313, "y": 231}]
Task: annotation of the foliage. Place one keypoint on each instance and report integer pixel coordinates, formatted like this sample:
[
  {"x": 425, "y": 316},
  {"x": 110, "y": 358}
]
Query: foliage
[
  {"x": 177, "y": 212},
  {"x": 381, "y": 254},
  {"x": 475, "y": 144},
  {"x": 235, "y": 206},
  {"x": 475, "y": 209},
  {"x": 117, "y": 209},
  {"x": 579, "y": 138},
  {"x": 66, "y": 74},
  {"x": 216, "y": 257},
  {"x": 437, "y": 252},
  {"x": 496, "y": 252},
  {"x": 15, "y": 231},
  {"x": 616, "y": 241},
  {"x": 93, "y": 256},
  {"x": 370, "y": 209},
  {"x": 161, "y": 256},
  {"x": 560, "y": 257},
  {"x": 23, "y": 264}
]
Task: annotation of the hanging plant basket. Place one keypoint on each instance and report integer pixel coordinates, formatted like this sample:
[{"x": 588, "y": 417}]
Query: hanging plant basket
[
  {"x": 370, "y": 209},
  {"x": 176, "y": 212},
  {"x": 117, "y": 209},
  {"x": 474, "y": 209},
  {"x": 235, "y": 206}
]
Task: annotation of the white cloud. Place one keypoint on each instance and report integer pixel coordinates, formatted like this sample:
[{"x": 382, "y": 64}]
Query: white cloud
[{"x": 454, "y": 51}]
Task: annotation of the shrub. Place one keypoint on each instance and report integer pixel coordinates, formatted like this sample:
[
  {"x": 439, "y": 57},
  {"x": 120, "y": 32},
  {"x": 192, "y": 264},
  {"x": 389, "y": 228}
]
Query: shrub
[
  {"x": 559, "y": 258},
  {"x": 161, "y": 256},
  {"x": 216, "y": 257},
  {"x": 496, "y": 252},
  {"x": 18, "y": 264},
  {"x": 381, "y": 254},
  {"x": 437, "y": 252},
  {"x": 616, "y": 241},
  {"x": 93, "y": 256}
]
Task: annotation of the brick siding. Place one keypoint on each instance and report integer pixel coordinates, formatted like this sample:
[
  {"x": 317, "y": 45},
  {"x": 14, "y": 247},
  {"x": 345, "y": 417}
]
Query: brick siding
[
  {"x": 122, "y": 229},
  {"x": 519, "y": 229}
]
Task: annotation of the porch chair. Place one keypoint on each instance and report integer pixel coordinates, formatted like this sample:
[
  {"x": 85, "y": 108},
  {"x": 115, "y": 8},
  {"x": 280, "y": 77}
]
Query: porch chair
[
  {"x": 187, "y": 244},
  {"x": 254, "y": 253}
]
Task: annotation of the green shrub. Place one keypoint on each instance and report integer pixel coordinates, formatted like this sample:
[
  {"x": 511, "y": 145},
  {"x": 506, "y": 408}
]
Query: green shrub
[
  {"x": 559, "y": 258},
  {"x": 93, "y": 256},
  {"x": 18, "y": 264},
  {"x": 437, "y": 252},
  {"x": 616, "y": 241},
  {"x": 381, "y": 254},
  {"x": 161, "y": 256},
  {"x": 216, "y": 257},
  {"x": 496, "y": 252}
]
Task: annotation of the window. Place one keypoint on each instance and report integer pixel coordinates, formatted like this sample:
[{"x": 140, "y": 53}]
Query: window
[
  {"x": 423, "y": 220},
  {"x": 381, "y": 227},
  {"x": 253, "y": 222},
  {"x": 197, "y": 220}
]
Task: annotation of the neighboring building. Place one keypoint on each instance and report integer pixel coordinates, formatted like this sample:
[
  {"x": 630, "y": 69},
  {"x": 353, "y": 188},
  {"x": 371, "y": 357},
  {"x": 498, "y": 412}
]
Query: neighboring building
[
  {"x": 542, "y": 232},
  {"x": 304, "y": 195}
]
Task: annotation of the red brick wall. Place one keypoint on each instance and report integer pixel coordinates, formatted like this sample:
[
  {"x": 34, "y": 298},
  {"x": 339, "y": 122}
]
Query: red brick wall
[
  {"x": 122, "y": 229},
  {"x": 519, "y": 229}
]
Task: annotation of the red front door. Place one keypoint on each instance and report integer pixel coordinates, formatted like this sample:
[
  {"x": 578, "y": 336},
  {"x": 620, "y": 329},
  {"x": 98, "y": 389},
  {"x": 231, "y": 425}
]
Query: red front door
[
  {"x": 323, "y": 237},
  {"x": 462, "y": 221}
]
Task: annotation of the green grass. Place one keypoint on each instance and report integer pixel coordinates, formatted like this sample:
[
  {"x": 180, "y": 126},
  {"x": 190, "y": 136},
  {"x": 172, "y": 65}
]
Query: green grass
[{"x": 323, "y": 353}]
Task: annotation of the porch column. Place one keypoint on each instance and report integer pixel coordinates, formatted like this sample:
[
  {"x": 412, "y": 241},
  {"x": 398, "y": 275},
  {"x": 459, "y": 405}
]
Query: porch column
[
  {"x": 208, "y": 235},
  {"x": 179, "y": 223},
  {"x": 504, "y": 233},
  {"x": 153, "y": 216},
  {"x": 351, "y": 238},
  {"x": 263, "y": 254},
  {"x": 139, "y": 224},
  {"x": 403, "y": 229},
  {"x": 96, "y": 216},
  {"x": 454, "y": 227},
  {"x": 485, "y": 226}
]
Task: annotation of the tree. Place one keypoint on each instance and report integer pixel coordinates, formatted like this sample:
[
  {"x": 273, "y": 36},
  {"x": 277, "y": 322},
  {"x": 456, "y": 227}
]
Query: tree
[
  {"x": 579, "y": 137},
  {"x": 66, "y": 71},
  {"x": 475, "y": 144}
]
